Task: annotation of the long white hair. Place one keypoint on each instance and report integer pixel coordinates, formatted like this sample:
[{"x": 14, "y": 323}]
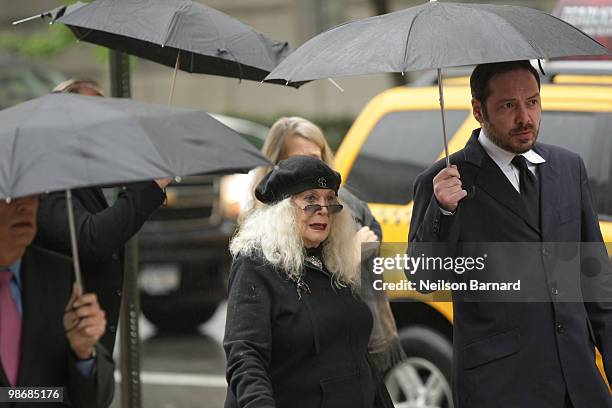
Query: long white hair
[{"x": 272, "y": 232}]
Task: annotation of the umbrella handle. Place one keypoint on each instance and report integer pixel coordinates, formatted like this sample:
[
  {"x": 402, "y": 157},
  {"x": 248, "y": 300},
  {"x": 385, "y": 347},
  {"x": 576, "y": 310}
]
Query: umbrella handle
[
  {"x": 73, "y": 243},
  {"x": 441, "y": 92}
]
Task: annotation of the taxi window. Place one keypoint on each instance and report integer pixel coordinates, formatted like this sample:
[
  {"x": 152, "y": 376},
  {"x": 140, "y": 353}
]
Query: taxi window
[
  {"x": 602, "y": 183},
  {"x": 401, "y": 145},
  {"x": 585, "y": 133},
  {"x": 574, "y": 131}
]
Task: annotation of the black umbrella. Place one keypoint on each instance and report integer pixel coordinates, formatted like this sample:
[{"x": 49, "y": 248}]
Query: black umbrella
[
  {"x": 178, "y": 33},
  {"x": 66, "y": 141},
  {"x": 434, "y": 35}
]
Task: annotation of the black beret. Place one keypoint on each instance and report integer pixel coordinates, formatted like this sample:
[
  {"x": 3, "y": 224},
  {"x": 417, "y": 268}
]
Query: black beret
[{"x": 294, "y": 175}]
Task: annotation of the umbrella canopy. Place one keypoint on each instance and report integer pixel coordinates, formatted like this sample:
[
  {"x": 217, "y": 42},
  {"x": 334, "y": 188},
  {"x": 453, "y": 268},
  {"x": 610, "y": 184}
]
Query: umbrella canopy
[
  {"x": 434, "y": 35},
  {"x": 209, "y": 41},
  {"x": 65, "y": 9},
  {"x": 65, "y": 141}
]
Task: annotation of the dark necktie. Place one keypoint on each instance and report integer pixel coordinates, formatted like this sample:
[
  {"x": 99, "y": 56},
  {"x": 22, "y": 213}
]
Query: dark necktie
[
  {"x": 530, "y": 191},
  {"x": 10, "y": 329}
]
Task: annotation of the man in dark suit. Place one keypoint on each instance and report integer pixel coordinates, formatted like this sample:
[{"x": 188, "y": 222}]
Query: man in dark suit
[
  {"x": 36, "y": 349},
  {"x": 102, "y": 230},
  {"x": 517, "y": 354}
]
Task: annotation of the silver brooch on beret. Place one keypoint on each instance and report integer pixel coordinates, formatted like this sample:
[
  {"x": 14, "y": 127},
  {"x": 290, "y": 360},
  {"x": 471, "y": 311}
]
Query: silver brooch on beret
[{"x": 322, "y": 182}]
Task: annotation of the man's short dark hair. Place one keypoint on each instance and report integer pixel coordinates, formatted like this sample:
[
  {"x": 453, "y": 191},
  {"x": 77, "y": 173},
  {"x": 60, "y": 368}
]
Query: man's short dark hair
[{"x": 482, "y": 74}]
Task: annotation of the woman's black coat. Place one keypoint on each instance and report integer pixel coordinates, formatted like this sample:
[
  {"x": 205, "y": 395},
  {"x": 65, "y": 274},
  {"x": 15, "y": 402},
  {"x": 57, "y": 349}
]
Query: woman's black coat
[{"x": 290, "y": 349}]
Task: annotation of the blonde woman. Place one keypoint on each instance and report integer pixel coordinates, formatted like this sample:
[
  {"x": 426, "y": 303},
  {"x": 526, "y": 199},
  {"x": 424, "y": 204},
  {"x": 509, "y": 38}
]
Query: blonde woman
[
  {"x": 293, "y": 136},
  {"x": 297, "y": 332}
]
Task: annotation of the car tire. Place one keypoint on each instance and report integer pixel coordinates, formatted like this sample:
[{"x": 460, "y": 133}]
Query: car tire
[
  {"x": 424, "y": 378},
  {"x": 172, "y": 317}
]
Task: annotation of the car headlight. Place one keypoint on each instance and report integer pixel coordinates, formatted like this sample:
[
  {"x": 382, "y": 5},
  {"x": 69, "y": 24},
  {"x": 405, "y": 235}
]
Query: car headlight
[{"x": 235, "y": 194}]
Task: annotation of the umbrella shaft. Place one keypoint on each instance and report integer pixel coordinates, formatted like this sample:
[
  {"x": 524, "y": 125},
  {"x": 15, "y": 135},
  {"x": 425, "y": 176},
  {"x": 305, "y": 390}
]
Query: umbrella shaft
[
  {"x": 334, "y": 83},
  {"x": 441, "y": 91},
  {"x": 176, "y": 68},
  {"x": 73, "y": 242}
]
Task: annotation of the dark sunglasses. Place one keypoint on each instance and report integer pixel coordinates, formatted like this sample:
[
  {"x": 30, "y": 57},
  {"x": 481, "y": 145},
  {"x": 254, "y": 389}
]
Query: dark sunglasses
[{"x": 312, "y": 209}]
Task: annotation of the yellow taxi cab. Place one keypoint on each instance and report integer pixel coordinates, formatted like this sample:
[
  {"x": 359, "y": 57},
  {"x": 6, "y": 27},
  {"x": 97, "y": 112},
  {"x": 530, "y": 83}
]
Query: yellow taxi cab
[{"x": 399, "y": 134}]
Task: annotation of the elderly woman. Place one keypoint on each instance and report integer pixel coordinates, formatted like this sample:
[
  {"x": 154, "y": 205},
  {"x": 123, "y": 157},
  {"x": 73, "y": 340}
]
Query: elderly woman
[
  {"x": 297, "y": 333},
  {"x": 292, "y": 136}
]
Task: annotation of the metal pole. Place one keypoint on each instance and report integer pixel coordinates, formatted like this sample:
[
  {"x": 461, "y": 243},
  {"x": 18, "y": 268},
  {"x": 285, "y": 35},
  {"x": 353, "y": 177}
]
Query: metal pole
[
  {"x": 120, "y": 74},
  {"x": 131, "y": 389},
  {"x": 131, "y": 395}
]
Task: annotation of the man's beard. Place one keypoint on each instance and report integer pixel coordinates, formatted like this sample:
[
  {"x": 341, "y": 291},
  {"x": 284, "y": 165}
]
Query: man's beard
[{"x": 496, "y": 137}]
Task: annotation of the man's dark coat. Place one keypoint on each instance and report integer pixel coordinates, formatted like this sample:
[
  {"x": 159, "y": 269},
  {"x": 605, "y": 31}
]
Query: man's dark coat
[
  {"x": 521, "y": 354},
  {"x": 46, "y": 358},
  {"x": 102, "y": 231}
]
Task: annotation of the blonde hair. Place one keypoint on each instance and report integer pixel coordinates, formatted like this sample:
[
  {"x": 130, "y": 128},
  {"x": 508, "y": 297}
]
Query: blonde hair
[
  {"x": 273, "y": 148},
  {"x": 272, "y": 231},
  {"x": 286, "y": 127},
  {"x": 75, "y": 85}
]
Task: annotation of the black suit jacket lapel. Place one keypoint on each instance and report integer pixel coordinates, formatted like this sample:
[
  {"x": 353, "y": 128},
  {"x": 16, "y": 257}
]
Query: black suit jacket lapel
[
  {"x": 548, "y": 176},
  {"x": 32, "y": 302},
  {"x": 493, "y": 181}
]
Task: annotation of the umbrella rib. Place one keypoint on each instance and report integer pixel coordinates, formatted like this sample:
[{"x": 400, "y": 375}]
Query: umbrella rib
[
  {"x": 408, "y": 35},
  {"x": 171, "y": 24},
  {"x": 77, "y": 132},
  {"x": 580, "y": 31},
  {"x": 85, "y": 34},
  {"x": 14, "y": 148},
  {"x": 13, "y": 155},
  {"x": 237, "y": 62},
  {"x": 163, "y": 160},
  {"x": 160, "y": 157}
]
